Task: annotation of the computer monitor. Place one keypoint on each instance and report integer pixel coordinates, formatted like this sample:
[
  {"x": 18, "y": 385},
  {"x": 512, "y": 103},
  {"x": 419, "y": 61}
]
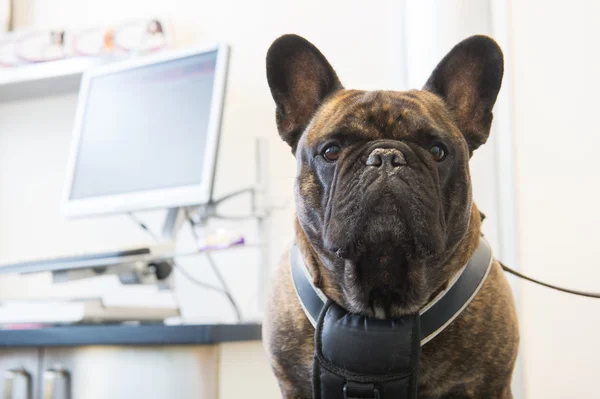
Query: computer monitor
[{"x": 146, "y": 133}]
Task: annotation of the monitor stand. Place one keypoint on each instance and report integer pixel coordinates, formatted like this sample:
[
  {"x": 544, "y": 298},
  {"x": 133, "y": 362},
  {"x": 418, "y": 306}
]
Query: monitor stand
[{"x": 173, "y": 221}]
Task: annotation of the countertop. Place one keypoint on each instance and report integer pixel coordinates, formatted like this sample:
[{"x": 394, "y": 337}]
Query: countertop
[{"x": 80, "y": 335}]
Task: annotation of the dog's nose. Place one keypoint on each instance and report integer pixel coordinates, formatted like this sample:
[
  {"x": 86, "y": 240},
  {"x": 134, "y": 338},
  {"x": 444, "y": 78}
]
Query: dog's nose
[{"x": 386, "y": 157}]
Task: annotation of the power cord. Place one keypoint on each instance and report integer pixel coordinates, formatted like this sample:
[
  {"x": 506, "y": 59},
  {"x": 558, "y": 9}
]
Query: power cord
[
  {"x": 216, "y": 271},
  {"x": 224, "y": 291},
  {"x": 197, "y": 282},
  {"x": 554, "y": 287},
  {"x": 249, "y": 190},
  {"x": 246, "y": 217},
  {"x": 142, "y": 225}
]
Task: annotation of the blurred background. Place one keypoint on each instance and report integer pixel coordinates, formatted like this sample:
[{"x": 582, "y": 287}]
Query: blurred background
[{"x": 535, "y": 179}]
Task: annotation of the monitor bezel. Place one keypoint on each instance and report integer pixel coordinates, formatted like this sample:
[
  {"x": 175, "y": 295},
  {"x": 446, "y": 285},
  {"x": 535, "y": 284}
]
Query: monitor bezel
[{"x": 172, "y": 197}]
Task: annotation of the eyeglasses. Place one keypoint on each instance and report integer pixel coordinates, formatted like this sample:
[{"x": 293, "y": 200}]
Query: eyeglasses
[{"x": 137, "y": 36}]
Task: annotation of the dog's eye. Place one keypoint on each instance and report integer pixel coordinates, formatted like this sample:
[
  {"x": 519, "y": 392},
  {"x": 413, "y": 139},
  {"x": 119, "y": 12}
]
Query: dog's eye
[
  {"x": 438, "y": 152},
  {"x": 332, "y": 153}
]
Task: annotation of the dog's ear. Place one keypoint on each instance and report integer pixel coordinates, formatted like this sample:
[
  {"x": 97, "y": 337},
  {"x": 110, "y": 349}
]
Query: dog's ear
[
  {"x": 300, "y": 78},
  {"x": 469, "y": 79}
]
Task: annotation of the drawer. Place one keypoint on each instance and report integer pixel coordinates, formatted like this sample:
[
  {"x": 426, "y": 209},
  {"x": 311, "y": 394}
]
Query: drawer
[{"x": 117, "y": 372}]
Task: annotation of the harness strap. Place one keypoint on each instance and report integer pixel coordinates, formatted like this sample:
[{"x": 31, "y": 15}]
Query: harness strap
[{"x": 434, "y": 317}]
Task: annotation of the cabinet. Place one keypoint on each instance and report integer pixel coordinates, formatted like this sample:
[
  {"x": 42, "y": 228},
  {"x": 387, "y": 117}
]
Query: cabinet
[
  {"x": 20, "y": 373},
  {"x": 120, "y": 372},
  {"x": 116, "y": 372},
  {"x": 135, "y": 361}
]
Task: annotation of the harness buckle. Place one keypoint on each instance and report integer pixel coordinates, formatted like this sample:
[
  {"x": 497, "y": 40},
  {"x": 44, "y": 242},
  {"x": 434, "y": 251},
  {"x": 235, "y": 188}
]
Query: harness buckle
[{"x": 356, "y": 390}]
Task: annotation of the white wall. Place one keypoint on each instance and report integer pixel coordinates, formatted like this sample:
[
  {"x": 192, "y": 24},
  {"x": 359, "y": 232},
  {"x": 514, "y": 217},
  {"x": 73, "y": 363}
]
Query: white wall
[{"x": 556, "y": 84}]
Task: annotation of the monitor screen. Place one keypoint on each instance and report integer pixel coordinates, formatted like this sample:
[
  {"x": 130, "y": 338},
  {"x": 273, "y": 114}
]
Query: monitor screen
[{"x": 146, "y": 129}]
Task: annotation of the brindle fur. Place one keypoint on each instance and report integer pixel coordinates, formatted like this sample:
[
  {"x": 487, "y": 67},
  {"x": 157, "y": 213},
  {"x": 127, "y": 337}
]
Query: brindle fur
[{"x": 384, "y": 248}]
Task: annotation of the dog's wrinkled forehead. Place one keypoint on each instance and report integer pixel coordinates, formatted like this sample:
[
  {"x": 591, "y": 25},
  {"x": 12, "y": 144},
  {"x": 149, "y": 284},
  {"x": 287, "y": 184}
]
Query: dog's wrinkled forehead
[{"x": 381, "y": 115}]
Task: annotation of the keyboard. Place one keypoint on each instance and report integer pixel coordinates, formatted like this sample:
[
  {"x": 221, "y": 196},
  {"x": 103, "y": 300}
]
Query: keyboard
[{"x": 90, "y": 260}]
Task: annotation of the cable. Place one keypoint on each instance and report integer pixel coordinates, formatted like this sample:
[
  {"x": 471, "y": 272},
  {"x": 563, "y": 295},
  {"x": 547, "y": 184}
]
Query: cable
[
  {"x": 226, "y": 290},
  {"x": 142, "y": 225},
  {"x": 554, "y": 287},
  {"x": 215, "y": 270},
  {"x": 233, "y": 194},
  {"x": 183, "y": 271},
  {"x": 197, "y": 282},
  {"x": 285, "y": 204},
  {"x": 232, "y": 217}
]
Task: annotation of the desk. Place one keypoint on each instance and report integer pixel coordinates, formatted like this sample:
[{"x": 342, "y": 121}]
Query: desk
[{"x": 147, "y": 361}]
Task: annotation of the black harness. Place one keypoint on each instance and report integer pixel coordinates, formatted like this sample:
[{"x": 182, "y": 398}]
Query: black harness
[{"x": 363, "y": 357}]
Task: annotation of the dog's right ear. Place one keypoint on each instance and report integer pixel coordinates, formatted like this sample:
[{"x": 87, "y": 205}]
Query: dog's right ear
[{"x": 300, "y": 78}]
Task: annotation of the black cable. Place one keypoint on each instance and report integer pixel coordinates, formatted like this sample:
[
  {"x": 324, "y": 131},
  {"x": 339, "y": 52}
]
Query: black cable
[
  {"x": 142, "y": 225},
  {"x": 215, "y": 270},
  {"x": 554, "y": 287}
]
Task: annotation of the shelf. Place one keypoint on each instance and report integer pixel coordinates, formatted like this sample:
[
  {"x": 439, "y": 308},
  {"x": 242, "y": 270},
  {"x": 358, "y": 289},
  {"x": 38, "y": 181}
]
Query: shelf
[{"x": 44, "y": 79}]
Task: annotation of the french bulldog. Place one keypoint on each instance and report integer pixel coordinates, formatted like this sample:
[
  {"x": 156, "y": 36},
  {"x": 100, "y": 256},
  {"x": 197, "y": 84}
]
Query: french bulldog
[{"x": 385, "y": 215}]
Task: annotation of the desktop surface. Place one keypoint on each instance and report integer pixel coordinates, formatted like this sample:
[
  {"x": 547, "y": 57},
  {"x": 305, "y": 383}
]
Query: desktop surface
[{"x": 123, "y": 334}]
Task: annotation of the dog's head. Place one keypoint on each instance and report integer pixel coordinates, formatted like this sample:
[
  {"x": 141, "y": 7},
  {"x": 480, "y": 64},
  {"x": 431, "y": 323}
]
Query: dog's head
[{"x": 383, "y": 192}]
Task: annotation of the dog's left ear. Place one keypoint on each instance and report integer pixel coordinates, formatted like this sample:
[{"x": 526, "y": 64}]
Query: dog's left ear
[{"x": 469, "y": 79}]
